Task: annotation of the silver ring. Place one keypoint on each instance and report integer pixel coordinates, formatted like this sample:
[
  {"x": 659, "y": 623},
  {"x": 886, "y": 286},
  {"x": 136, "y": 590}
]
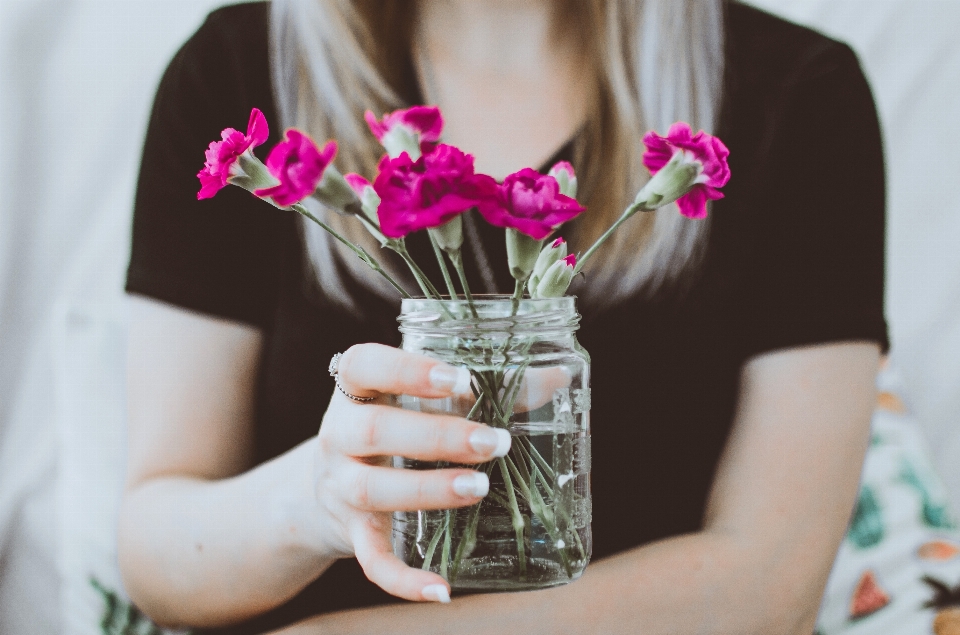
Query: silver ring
[{"x": 334, "y": 363}]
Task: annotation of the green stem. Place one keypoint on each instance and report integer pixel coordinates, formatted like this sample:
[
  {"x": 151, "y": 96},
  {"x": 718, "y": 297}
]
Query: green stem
[
  {"x": 358, "y": 250},
  {"x": 445, "y": 554},
  {"x": 517, "y": 296},
  {"x": 432, "y": 547},
  {"x": 473, "y": 411},
  {"x": 515, "y": 516},
  {"x": 457, "y": 259},
  {"x": 630, "y": 211},
  {"x": 428, "y": 289},
  {"x": 538, "y": 458},
  {"x": 549, "y": 522},
  {"x": 443, "y": 267},
  {"x": 522, "y": 479},
  {"x": 467, "y": 541}
]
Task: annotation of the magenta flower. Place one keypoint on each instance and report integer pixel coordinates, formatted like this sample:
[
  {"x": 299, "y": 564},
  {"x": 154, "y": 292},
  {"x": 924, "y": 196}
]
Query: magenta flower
[
  {"x": 222, "y": 155},
  {"x": 530, "y": 203},
  {"x": 298, "y": 165},
  {"x": 556, "y": 279},
  {"x": 369, "y": 201},
  {"x": 566, "y": 178},
  {"x": 707, "y": 153},
  {"x": 425, "y": 121},
  {"x": 413, "y": 130},
  {"x": 428, "y": 192},
  {"x": 357, "y": 183}
]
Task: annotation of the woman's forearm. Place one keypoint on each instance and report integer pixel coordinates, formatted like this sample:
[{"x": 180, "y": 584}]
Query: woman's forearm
[
  {"x": 704, "y": 583},
  {"x": 206, "y": 553}
]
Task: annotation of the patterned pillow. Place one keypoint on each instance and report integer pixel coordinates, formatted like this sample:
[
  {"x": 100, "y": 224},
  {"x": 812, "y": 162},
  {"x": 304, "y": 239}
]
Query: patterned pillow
[{"x": 898, "y": 569}]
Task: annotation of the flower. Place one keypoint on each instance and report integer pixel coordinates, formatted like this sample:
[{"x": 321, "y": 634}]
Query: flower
[
  {"x": 691, "y": 168},
  {"x": 566, "y": 178},
  {"x": 405, "y": 130},
  {"x": 298, "y": 165},
  {"x": 556, "y": 279},
  {"x": 449, "y": 236},
  {"x": 221, "y": 156},
  {"x": 428, "y": 192},
  {"x": 555, "y": 251},
  {"x": 522, "y": 254},
  {"x": 369, "y": 201},
  {"x": 530, "y": 203}
]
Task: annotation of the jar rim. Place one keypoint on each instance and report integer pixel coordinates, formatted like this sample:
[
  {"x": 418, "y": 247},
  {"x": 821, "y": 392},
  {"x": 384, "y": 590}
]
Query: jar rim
[{"x": 492, "y": 311}]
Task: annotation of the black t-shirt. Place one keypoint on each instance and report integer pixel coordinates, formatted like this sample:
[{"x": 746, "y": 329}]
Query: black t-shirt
[{"x": 794, "y": 257}]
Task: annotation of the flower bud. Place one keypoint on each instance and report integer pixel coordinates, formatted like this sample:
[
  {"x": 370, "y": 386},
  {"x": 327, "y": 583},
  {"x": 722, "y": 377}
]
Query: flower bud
[
  {"x": 334, "y": 192},
  {"x": 449, "y": 236},
  {"x": 522, "y": 253},
  {"x": 403, "y": 130},
  {"x": 566, "y": 178},
  {"x": 369, "y": 200},
  {"x": 400, "y": 139},
  {"x": 548, "y": 255},
  {"x": 556, "y": 279},
  {"x": 249, "y": 173},
  {"x": 676, "y": 178}
]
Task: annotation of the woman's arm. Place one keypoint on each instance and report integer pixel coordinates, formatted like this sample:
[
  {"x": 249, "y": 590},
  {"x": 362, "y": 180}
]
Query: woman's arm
[
  {"x": 203, "y": 542},
  {"x": 200, "y": 541},
  {"x": 779, "y": 507}
]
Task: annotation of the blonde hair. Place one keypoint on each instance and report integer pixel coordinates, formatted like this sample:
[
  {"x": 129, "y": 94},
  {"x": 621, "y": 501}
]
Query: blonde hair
[{"x": 656, "y": 62}]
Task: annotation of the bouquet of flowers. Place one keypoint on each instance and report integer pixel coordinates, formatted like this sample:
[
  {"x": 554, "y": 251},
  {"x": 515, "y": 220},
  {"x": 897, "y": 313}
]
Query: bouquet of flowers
[{"x": 532, "y": 528}]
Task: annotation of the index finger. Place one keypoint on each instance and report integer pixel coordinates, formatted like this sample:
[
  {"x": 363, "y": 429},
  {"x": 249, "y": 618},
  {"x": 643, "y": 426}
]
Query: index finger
[{"x": 368, "y": 370}]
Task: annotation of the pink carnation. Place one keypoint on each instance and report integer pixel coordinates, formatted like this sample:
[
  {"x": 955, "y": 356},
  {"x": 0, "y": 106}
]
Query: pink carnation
[
  {"x": 425, "y": 121},
  {"x": 357, "y": 183},
  {"x": 298, "y": 165},
  {"x": 428, "y": 192},
  {"x": 530, "y": 203},
  {"x": 702, "y": 148},
  {"x": 222, "y": 155}
]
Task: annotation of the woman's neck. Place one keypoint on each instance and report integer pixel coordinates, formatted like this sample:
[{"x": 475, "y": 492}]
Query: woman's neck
[{"x": 510, "y": 83}]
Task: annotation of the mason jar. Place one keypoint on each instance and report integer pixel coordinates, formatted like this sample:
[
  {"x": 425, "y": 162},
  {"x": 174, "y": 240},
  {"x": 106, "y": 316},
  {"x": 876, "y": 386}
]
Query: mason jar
[{"x": 531, "y": 377}]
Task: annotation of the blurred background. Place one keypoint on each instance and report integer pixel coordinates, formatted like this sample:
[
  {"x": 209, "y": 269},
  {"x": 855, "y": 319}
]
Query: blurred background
[{"x": 76, "y": 83}]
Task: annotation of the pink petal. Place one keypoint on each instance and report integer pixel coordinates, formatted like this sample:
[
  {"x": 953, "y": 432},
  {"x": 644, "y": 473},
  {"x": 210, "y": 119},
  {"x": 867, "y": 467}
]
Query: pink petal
[
  {"x": 257, "y": 129},
  {"x": 426, "y": 120},
  {"x": 679, "y": 133},
  {"x": 298, "y": 165},
  {"x": 209, "y": 184},
  {"x": 658, "y": 152},
  {"x": 376, "y": 128},
  {"x": 356, "y": 182},
  {"x": 693, "y": 204}
]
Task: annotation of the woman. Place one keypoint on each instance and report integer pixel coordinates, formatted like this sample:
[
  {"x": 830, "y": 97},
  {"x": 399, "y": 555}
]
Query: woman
[{"x": 733, "y": 359}]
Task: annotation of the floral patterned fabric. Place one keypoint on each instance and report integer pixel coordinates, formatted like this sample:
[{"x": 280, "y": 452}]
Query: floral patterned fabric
[{"x": 898, "y": 569}]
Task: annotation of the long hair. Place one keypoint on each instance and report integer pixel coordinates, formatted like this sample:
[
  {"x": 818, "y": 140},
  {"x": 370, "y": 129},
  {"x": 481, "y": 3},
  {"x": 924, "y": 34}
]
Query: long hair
[{"x": 656, "y": 62}]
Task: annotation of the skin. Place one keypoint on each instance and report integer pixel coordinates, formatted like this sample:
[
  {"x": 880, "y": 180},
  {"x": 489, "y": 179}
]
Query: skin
[{"x": 206, "y": 538}]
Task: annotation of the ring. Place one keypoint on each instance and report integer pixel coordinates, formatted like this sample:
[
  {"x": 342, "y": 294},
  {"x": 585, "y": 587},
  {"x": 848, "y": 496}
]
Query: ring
[{"x": 334, "y": 363}]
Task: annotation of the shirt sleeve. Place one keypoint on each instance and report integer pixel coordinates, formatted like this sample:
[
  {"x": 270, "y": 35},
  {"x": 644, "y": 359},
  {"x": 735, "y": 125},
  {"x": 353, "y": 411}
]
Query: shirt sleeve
[
  {"x": 810, "y": 255},
  {"x": 216, "y": 256}
]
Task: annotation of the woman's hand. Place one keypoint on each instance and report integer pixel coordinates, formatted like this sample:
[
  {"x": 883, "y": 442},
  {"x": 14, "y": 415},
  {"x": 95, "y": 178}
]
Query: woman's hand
[
  {"x": 356, "y": 490},
  {"x": 207, "y": 539}
]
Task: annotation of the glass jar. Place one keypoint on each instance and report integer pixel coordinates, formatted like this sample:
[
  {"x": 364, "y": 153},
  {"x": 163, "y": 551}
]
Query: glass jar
[{"x": 530, "y": 376}]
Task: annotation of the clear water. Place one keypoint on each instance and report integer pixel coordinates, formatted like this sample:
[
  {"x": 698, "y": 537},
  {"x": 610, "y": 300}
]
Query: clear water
[{"x": 478, "y": 548}]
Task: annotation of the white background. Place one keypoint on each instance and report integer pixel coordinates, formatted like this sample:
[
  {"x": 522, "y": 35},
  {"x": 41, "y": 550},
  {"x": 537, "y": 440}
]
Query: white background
[{"x": 76, "y": 82}]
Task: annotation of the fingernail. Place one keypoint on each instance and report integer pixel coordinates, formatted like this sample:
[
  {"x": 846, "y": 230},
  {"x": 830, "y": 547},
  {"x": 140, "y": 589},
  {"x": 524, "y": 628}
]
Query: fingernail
[
  {"x": 436, "y": 593},
  {"x": 492, "y": 441},
  {"x": 450, "y": 378},
  {"x": 476, "y": 484}
]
